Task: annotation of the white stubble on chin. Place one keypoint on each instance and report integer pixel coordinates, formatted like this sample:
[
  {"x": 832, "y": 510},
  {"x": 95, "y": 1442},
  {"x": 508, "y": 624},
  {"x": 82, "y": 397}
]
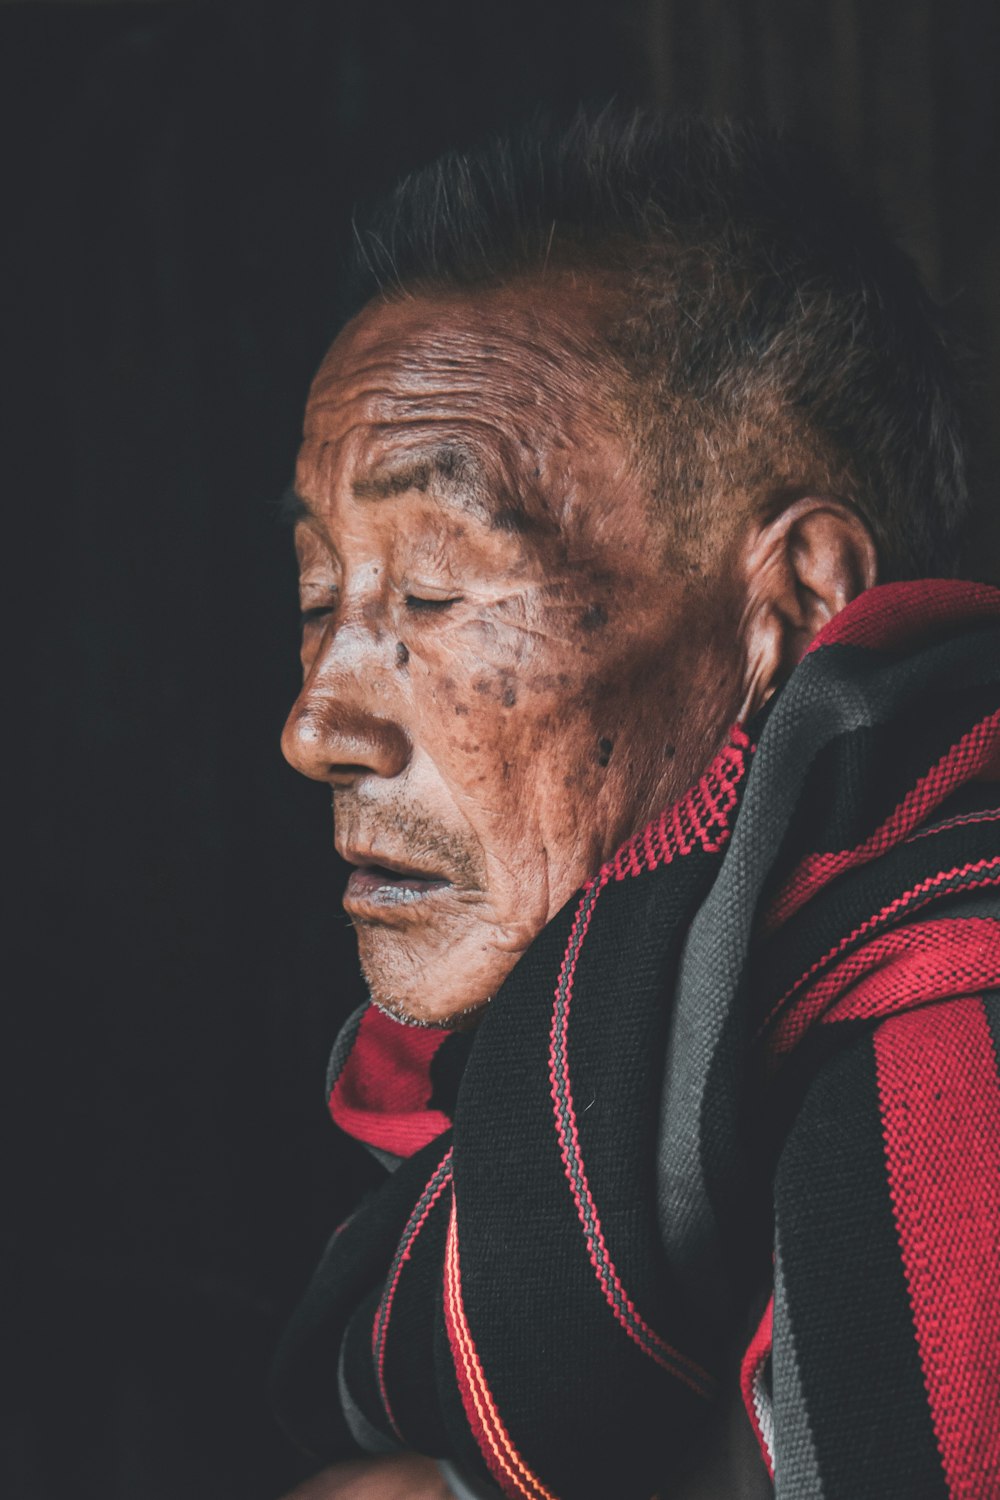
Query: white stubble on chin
[{"x": 458, "y": 1020}]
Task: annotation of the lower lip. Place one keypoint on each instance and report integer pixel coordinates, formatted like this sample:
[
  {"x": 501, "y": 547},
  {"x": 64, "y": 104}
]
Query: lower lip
[{"x": 373, "y": 889}]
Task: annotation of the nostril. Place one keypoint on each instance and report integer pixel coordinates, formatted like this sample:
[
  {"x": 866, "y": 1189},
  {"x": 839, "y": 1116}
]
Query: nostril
[{"x": 341, "y": 775}]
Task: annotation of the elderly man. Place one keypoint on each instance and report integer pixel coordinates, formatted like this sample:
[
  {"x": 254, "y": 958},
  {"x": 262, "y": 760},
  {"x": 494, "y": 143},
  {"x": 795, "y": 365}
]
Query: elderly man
[{"x": 672, "y": 806}]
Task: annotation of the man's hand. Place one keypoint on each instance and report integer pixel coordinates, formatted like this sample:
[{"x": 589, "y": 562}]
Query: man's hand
[{"x": 405, "y": 1476}]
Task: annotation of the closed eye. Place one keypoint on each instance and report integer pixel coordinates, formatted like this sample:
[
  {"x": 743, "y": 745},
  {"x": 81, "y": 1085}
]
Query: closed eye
[
  {"x": 318, "y": 612},
  {"x": 415, "y": 603}
]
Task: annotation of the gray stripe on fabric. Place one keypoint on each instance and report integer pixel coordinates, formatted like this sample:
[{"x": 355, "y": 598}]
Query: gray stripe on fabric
[
  {"x": 991, "y": 1005},
  {"x": 796, "y": 1466},
  {"x": 463, "y": 1487},
  {"x": 384, "y": 1158},
  {"x": 367, "y": 1437},
  {"x": 817, "y": 704},
  {"x": 346, "y": 1037},
  {"x": 984, "y": 905},
  {"x": 714, "y": 960}
]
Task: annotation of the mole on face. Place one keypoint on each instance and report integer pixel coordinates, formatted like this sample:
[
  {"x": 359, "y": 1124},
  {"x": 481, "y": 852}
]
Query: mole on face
[
  {"x": 509, "y": 697},
  {"x": 604, "y": 749},
  {"x": 594, "y": 616},
  {"x": 402, "y": 655}
]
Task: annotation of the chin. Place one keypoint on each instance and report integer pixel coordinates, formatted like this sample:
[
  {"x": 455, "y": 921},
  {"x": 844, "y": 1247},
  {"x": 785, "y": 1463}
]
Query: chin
[
  {"x": 418, "y": 987},
  {"x": 412, "y": 1013}
]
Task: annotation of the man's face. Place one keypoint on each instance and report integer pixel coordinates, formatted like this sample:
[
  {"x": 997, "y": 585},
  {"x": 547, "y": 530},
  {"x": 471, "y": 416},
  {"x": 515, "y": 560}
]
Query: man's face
[{"x": 505, "y": 672}]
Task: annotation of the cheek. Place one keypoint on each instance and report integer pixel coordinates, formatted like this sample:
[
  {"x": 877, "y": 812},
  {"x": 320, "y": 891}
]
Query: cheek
[
  {"x": 517, "y": 745},
  {"x": 495, "y": 685},
  {"x": 534, "y": 714},
  {"x": 522, "y": 657}
]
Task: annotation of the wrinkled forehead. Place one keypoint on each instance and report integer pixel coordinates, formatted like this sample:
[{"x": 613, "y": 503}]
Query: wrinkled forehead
[{"x": 505, "y": 380}]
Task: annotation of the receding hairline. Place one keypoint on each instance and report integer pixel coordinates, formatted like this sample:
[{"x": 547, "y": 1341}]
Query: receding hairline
[
  {"x": 568, "y": 317},
  {"x": 602, "y": 297},
  {"x": 767, "y": 276}
]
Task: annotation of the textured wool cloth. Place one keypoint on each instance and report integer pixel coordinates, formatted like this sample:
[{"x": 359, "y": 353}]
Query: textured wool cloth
[{"x": 744, "y": 1087}]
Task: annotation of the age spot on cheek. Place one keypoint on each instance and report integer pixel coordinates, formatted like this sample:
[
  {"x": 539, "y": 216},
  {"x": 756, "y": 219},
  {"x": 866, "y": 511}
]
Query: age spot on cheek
[{"x": 501, "y": 689}]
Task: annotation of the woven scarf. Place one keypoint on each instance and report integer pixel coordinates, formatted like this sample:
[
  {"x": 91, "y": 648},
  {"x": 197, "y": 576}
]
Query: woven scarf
[{"x": 580, "y": 1213}]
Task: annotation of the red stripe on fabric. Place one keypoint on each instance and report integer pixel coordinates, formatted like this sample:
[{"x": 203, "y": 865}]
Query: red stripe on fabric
[
  {"x": 909, "y": 614},
  {"x": 758, "y": 1352},
  {"x": 909, "y": 966},
  {"x": 988, "y": 871},
  {"x": 974, "y": 753},
  {"x": 940, "y": 1103},
  {"x": 502, "y": 1458},
  {"x": 380, "y": 1327},
  {"x": 384, "y": 1088}
]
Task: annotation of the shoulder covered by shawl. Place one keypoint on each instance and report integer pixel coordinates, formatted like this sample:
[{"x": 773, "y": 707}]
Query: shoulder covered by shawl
[{"x": 755, "y": 1055}]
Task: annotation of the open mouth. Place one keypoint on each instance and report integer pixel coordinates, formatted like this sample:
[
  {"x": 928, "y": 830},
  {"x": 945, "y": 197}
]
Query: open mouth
[{"x": 377, "y": 885}]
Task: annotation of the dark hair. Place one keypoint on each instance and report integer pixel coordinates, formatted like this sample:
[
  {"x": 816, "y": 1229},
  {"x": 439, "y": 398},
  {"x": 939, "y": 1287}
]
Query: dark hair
[{"x": 770, "y": 334}]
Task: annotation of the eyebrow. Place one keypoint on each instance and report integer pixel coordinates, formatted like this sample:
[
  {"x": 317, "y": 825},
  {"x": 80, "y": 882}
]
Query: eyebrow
[{"x": 453, "y": 467}]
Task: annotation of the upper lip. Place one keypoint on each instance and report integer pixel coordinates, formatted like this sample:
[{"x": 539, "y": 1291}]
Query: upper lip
[{"x": 364, "y": 857}]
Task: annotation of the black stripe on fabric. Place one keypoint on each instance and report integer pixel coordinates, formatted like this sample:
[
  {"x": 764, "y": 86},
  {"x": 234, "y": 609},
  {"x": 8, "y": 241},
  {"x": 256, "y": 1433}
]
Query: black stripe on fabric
[
  {"x": 609, "y": 1081},
  {"x": 447, "y": 1067},
  {"x": 857, "y": 780},
  {"x": 857, "y": 896},
  {"x": 412, "y": 1392},
  {"x": 847, "y": 1296},
  {"x": 518, "y": 1223},
  {"x": 974, "y": 797},
  {"x": 859, "y": 775},
  {"x": 303, "y": 1382},
  {"x": 356, "y": 1368},
  {"x": 991, "y": 1005}
]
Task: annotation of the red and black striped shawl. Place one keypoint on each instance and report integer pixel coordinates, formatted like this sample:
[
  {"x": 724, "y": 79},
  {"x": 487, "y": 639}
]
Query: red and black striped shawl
[{"x": 743, "y": 1087}]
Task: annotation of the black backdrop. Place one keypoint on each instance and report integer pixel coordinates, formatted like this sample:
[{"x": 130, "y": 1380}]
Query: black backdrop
[{"x": 179, "y": 183}]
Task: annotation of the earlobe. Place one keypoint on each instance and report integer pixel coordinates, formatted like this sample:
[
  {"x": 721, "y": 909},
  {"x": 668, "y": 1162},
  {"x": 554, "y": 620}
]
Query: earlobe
[
  {"x": 762, "y": 642},
  {"x": 801, "y": 569}
]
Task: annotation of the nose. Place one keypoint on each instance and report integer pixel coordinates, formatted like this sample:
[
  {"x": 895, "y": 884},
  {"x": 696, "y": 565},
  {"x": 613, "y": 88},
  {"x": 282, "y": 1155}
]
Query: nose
[{"x": 339, "y": 729}]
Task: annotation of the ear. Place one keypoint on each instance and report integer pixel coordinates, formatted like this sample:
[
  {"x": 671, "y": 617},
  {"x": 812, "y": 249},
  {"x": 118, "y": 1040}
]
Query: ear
[{"x": 800, "y": 569}]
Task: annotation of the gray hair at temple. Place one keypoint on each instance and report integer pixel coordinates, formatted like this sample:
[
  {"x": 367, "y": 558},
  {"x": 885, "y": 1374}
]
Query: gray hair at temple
[{"x": 764, "y": 337}]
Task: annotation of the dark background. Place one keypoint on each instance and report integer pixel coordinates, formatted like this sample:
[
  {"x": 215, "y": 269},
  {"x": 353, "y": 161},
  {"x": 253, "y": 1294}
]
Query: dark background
[{"x": 179, "y": 179}]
